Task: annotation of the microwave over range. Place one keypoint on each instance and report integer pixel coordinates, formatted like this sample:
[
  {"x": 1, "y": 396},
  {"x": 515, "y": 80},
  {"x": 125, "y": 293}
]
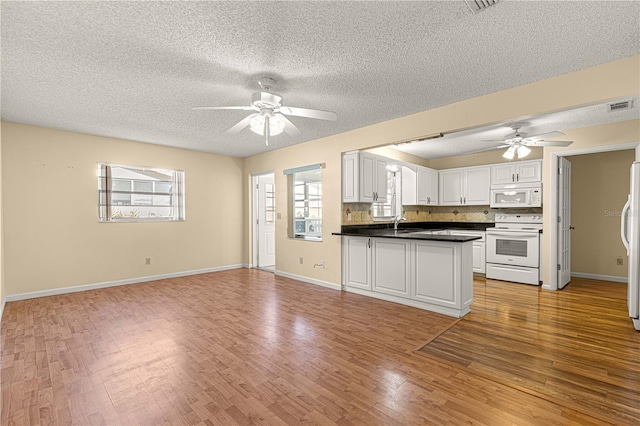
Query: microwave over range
[{"x": 516, "y": 195}]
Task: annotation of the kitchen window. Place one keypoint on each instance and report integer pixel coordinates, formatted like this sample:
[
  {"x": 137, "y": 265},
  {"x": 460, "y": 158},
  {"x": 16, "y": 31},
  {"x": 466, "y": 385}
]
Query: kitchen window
[
  {"x": 305, "y": 202},
  {"x": 389, "y": 210},
  {"x": 139, "y": 194}
]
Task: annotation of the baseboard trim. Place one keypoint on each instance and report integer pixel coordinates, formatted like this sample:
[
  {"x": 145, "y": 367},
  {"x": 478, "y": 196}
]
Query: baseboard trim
[
  {"x": 599, "y": 277},
  {"x": 94, "y": 286},
  {"x": 309, "y": 280}
]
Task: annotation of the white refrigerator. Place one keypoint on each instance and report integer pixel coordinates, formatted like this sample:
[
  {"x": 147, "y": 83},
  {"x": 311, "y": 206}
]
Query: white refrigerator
[{"x": 630, "y": 233}]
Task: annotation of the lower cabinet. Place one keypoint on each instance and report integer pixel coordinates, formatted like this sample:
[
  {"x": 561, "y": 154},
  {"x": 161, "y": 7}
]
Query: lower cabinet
[
  {"x": 391, "y": 266},
  {"x": 432, "y": 275},
  {"x": 356, "y": 254}
]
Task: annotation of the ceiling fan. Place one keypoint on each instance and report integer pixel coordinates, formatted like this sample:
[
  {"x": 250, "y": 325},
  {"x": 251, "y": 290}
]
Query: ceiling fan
[
  {"x": 269, "y": 114},
  {"x": 518, "y": 142}
]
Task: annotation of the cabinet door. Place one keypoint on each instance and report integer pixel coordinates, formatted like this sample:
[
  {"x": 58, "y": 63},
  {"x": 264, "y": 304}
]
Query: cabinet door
[
  {"x": 367, "y": 178},
  {"x": 391, "y": 273},
  {"x": 479, "y": 261},
  {"x": 450, "y": 188},
  {"x": 530, "y": 171},
  {"x": 503, "y": 174},
  {"x": 477, "y": 186},
  {"x": 435, "y": 273},
  {"x": 350, "y": 178},
  {"x": 356, "y": 253},
  {"x": 409, "y": 186},
  {"x": 427, "y": 187},
  {"x": 381, "y": 180}
]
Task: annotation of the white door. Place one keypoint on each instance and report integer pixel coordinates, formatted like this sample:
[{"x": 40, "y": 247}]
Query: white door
[
  {"x": 266, "y": 221},
  {"x": 564, "y": 224}
]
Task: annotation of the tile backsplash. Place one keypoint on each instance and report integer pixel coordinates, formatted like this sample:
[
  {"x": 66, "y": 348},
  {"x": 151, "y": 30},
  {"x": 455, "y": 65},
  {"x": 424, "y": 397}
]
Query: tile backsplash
[{"x": 361, "y": 214}]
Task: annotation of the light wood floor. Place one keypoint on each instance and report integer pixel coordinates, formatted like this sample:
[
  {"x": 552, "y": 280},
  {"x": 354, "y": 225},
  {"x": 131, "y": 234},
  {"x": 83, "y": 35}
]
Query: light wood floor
[{"x": 248, "y": 347}]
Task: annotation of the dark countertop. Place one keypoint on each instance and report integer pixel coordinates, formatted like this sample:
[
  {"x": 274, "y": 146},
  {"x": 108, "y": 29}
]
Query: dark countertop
[
  {"x": 410, "y": 230},
  {"x": 407, "y": 234}
]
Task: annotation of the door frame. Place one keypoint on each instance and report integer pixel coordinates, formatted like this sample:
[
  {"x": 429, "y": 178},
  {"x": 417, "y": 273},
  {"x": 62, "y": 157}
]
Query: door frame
[
  {"x": 553, "y": 201},
  {"x": 255, "y": 214}
]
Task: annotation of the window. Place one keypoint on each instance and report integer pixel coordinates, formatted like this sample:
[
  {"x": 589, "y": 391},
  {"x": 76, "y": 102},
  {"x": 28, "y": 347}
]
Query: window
[
  {"x": 389, "y": 210},
  {"x": 305, "y": 207},
  {"x": 131, "y": 193}
]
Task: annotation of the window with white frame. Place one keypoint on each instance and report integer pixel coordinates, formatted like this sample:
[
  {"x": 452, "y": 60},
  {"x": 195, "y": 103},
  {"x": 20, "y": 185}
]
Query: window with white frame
[
  {"x": 139, "y": 194},
  {"x": 305, "y": 202},
  {"x": 393, "y": 206}
]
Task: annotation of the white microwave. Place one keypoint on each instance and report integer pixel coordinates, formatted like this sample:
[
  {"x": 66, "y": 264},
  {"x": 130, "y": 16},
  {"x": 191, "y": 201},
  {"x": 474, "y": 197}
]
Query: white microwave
[{"x": 517, "y": 195}]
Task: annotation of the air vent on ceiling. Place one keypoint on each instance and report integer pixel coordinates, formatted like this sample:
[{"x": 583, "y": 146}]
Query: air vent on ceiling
[
  {"x": 618, "y": 106},
  {"x": 480, "y": 5}
]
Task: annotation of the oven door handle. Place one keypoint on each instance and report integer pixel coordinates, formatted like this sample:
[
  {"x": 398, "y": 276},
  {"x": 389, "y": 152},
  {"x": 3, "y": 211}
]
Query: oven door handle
[{"x": 512, "y": 235}]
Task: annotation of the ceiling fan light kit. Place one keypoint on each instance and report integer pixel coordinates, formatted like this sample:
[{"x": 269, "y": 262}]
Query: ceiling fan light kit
[{"x": 269, "y": 116}]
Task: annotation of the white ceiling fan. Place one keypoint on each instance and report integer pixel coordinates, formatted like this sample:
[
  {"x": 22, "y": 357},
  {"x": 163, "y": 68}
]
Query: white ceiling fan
[
  {"x": 269, "y": 116},
  {"x": 518, "y": 142}
]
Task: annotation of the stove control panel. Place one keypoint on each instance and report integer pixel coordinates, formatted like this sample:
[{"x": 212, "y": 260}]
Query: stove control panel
[{"x": 518, "y": 218}]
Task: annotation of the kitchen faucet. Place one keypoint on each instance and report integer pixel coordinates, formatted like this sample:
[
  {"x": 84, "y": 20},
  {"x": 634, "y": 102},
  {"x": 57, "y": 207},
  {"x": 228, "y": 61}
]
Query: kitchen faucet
[{"x": 397, "y": 219}]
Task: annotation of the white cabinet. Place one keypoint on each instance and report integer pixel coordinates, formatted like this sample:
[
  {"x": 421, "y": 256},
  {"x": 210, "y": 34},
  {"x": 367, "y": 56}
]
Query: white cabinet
[
  {"x": 465, "y": 186},
  {"x": 442, "y": 274},
  {"x": 432, "y": 275},
  {"x": 356, "y": 262},
  {"x": 409, "y": 185},
  {"x": 427, "y": 187},
  {"x": 523, "y": 171},
  {"x": 364, "y": 178},
  {"x": 479, "y": 251},
  {"x": 390, "y": 261},
  {"x": 419, "y": 186}
]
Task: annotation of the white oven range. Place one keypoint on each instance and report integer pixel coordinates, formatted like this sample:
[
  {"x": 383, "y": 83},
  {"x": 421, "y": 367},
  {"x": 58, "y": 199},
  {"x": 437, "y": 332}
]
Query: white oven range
[{"x": 513, "y": 248}]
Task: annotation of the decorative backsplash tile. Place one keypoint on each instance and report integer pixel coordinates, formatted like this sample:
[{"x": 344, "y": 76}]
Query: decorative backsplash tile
[{"x": 361, "y": 214}]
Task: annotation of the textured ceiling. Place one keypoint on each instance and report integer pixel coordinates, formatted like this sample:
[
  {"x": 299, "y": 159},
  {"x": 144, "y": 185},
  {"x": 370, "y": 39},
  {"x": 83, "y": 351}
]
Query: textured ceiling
[{"x": 132, "y": 70}]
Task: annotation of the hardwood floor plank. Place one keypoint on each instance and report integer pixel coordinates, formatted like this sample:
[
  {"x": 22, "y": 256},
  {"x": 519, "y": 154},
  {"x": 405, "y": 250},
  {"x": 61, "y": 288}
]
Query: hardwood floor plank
[{"x": 248, "y": 347}]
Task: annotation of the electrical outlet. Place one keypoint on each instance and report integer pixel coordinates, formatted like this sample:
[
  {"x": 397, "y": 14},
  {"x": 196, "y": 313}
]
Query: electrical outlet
[
  {"x": 147, "y": 261},
  {"x": 348, "y": 217},
  {"x": 301, "y": 260},
  {"x": 619, "y": 261}
]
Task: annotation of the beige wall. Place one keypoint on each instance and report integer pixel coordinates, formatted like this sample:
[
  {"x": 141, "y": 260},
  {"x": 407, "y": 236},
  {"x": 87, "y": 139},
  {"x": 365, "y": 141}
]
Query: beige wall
[
  {"x": 52, "y": 235},
  {"x": 394, "y": 154},
  {"x": 593, "y": 85},
  {"x": 599, "y": 189},
  {"x": 491, "y": 157}
]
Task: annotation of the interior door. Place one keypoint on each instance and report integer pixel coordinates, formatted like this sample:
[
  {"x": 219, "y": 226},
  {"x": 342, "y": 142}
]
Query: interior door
[
  {"x": 564, "y": 224},
  {"x": 266, "y": 221}
]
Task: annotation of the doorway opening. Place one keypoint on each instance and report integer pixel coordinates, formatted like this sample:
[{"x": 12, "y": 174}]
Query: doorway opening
[
  {"x": 592, "y": 214},
  {"x": 264, "y": 221}
]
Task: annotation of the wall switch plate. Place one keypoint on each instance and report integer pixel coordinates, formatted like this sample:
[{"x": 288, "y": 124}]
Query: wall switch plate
[
  {"x": 301, "y": 260},
  {"x": 147, "y": 261},
  {"x": 619, "y": 261}
]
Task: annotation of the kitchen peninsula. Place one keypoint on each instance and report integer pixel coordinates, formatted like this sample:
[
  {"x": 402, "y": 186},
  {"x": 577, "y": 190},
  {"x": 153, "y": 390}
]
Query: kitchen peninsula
[{"x": 419, "y": 268}]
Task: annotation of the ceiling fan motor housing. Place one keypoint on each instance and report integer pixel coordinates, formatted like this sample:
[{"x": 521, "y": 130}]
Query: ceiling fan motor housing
[{"x": 267, "y": 100}]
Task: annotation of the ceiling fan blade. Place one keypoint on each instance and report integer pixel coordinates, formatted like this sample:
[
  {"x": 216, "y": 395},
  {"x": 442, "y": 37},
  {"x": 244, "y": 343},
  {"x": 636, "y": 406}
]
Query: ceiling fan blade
[
  {"x": 549, "y": 135},
  {"x": 309, "y": 113},
  {"x": 241, "y": 124},
  {"x": 495, "y": 141},
  {"x": 267, "y": 130},
  {"x": 289, "y": 127},
  {"x": 549, "y": 143},
  {"x": 241, "y": 108}
]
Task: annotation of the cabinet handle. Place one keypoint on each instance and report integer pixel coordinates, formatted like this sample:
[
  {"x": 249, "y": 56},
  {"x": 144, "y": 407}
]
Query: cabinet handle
[
  {"x": 428, "y": 200},
  {"x": 465, "y": 200},
  {"x": 518, "y": 177},
  {"x": 460, "y": 200},
  {"x": 513, "y": 177},
  {"x": 369, "y": 243}
]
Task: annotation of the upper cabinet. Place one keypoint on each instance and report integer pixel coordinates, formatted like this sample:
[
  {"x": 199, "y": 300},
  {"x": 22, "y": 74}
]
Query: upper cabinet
[
  {"x": 427, "y": 187},
  {"x": 419, "y": 186},
  {"x": 520, "y": 172},
  {"x": 364, "y": 178},
  {"x": 465, "y": 186}
]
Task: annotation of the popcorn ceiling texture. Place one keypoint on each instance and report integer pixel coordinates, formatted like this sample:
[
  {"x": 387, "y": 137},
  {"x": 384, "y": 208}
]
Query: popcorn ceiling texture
[
  {"x": 361, "y": 213},
  {"x": 133, "y": 70}
]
